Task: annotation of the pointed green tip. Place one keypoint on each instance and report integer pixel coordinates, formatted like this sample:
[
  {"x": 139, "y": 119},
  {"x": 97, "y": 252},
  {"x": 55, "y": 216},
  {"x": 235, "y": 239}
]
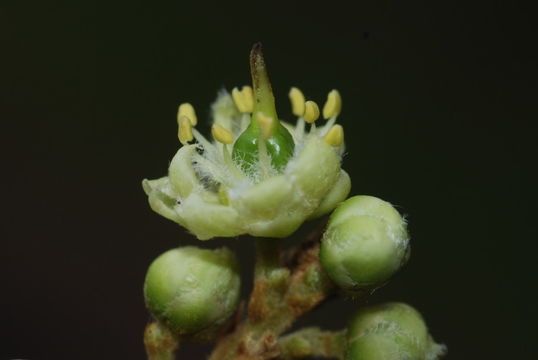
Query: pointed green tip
[
  {"x": 263, "y": 94},
  {"x": 280, "y": 144}
]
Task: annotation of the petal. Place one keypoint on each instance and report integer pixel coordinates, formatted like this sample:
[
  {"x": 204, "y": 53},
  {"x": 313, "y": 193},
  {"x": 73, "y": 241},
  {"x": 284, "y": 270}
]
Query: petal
[
  {"x": 336, "y": 195},
  {"x": 207, "y": 220},
  {"x": 160, "y": 199},
  {"x": 281, "y": 226},
  {"x": 266, "y": 198},
  {"x": 272, "y": 208},
  {"x": 182, "y": 175},
  {"x": 315, "y": 170}
]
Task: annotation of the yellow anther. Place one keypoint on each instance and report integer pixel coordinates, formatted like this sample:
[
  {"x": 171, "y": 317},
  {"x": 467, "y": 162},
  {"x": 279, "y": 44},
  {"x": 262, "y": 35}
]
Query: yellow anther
[
  {"x": 267, "y": 125},
  {"x": 184, "y": 133},
  {"x": 297, "y": 101},
  {"x": 248, "y": 98},
  {"x": 243, "y": 99},
  {"x": 187, "y": 110},
  {"x": 221, "y": 134},
  {"x": 335, "y": 136},
  {"x": 237, "y": 96},
  {"x": 333, "y": 105},
  {"x": 311, "y": 112}
]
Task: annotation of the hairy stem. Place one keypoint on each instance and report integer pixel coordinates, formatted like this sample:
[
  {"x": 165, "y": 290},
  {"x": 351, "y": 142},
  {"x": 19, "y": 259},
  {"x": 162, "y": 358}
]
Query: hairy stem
[
  {"x": 281, "y": 295},
  {"x": 270, "y": 280},
  {"x": 267, "y": 257},
  {"x": 160, "y": 342},
  {"x": 313, "y": 342}
]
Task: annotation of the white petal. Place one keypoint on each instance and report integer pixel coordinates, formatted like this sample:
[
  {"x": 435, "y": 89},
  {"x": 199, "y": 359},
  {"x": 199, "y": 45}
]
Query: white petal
[
  {"x": 182, "y": 175},
  {"x": 336, "y": 195},
  {"x": 207, "y": 220},
  {"x": 315, "y": 170}
]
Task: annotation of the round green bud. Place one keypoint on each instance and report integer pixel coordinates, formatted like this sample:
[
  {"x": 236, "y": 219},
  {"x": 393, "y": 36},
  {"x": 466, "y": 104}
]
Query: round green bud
[
  {"x": 365, "y": 243},
  {"x": 193, "y": 291},
  {"x": 392, "y": 331}
]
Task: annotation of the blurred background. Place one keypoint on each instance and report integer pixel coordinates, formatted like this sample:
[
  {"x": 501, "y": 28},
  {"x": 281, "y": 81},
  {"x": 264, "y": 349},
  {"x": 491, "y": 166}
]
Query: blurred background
[{"x": 439, "y": 102}]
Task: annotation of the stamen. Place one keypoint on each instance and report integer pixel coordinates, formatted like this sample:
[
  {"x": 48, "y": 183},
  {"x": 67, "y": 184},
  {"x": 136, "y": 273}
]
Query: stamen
[
  {"x": 243, "y": 122},
  {"x": 328, "y": 125},
  {"x": 335, "y": 136},
  {"x": 248, "y": 98},
  {"x": 311, "y": 113},
  {"x": 267, "y": 125},
  {"x": 243, "y": 99},
  {"x": 297, "y": 101},
  {"x": 184, "y": 133},
  {"x": 212, "y": 170},
  {"x": 211, "y": 153},
  {"x": 221, "y": 134},
  {"x": 230, "y": 164},
  {"x": 333, "y": 105},
  {"x": 299, "y": 129},
  {"x": 187, "y": 110},
  {"x": 239, "y": 100},
  {"x": 206, "y": 145}
]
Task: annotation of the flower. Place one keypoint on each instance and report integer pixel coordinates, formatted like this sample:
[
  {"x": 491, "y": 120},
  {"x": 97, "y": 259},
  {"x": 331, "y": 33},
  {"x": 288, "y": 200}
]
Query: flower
[{"x": 258, "y": 176}]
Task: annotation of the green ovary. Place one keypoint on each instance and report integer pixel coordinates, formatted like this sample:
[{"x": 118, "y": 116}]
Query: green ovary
[{"x": 279, "y": 147}]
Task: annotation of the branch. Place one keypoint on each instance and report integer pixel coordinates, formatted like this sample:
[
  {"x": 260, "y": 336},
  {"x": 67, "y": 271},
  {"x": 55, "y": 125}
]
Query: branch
[
  {"x": 313, "y": 342},
  {"x": 270, "y": 280},
  {"x": 160, "y": 342}
]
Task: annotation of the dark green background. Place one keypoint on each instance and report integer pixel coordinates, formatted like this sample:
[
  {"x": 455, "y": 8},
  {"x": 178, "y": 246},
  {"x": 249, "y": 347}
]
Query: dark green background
[{"x": 439, "y": 101}]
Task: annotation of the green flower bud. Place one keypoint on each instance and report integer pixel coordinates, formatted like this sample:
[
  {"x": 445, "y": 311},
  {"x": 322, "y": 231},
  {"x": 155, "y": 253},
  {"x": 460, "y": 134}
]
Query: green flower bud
[
  {"x": 365, "y": 243},
  {"x": 279, "y": 142},
  {"x": 392, "y": 331},
  {"x": 193, "y": 291}
]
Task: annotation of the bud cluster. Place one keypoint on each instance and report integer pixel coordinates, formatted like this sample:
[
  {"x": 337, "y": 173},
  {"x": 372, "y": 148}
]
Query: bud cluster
[{"x": 264, "y": 177}]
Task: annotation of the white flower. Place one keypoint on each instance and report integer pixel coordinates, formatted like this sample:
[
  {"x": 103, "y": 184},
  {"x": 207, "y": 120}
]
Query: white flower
[{"x": 269, "y": 183}]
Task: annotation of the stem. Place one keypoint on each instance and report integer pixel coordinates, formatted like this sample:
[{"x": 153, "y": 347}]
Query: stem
[
  {"x": 278, "y": 299},
  {"x": 313, "y": 342},
  {"x": 255, "y": 338},
  {"x": 267, "y": 257},
  {"x": 160, "y": 342},
  {"x": 270, "y": 280},
  {"x": 309, "y": 285}
]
